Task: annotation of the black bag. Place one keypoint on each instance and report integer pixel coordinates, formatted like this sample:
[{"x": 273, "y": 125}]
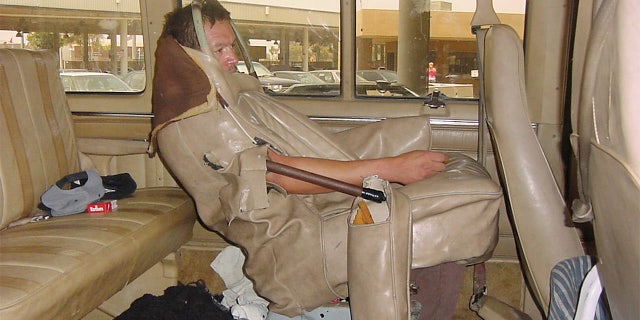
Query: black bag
[
  {"x": 118, "y": 186},
  {"x": 182, "y": 302}
]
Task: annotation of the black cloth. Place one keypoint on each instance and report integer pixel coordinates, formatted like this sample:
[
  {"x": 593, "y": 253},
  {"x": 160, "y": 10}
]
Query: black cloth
[
  {"x": 182, "y": 302},
  {"x": 118, "y": 186}
]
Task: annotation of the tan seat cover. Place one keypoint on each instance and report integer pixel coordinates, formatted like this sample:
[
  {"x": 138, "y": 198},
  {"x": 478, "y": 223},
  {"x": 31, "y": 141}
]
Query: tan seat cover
[
  {"x": 606, "y": 144},
  {"x": 296, "y": 244},
  {"x": 539, "y": 216}
]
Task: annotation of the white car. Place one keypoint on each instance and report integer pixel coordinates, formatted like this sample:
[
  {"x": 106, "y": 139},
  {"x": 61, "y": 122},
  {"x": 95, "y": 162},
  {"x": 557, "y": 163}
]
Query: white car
[
  {"x": 78, "y": 81},
  {"x": 269, "y": 82},
  {"x": 333, "y": 76}
]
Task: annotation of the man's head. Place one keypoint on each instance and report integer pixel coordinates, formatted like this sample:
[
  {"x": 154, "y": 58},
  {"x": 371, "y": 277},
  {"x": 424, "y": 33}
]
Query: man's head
[{"x": 217, "y": 26}]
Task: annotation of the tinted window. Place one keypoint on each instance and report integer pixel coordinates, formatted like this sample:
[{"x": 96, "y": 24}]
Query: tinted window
[
  {"x": 93, "y": 82},
  {"x": 299, "y": 36},
  {"x": 90, "y": 36},
  {"x": 385, "y": 53}
]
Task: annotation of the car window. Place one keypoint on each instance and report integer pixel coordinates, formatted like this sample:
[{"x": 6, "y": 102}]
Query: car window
[
  {"x": 304, "y": 37},
  {"x": 136, "y": 79},
  {"x": 301, "y": 76},
  {"x": 299, "y": 36},
  {"x": 328, "y": 76},
  {"x": 260, "y": 69},
  {"x": 106, "y": 47},
  {"x": 391, "y": 44},
  {"x": 93, "y": 82}
]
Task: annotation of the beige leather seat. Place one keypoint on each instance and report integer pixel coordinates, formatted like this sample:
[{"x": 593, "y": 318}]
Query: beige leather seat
[
  {"x": 64, "y": 267},
  {"x": 537, "y": 208},
  {"x": 454, "y": 213},
  {"x": 605, "y": 131},
  {"x": 605, "y": 125},
  {"x": 539, "y": 217}
]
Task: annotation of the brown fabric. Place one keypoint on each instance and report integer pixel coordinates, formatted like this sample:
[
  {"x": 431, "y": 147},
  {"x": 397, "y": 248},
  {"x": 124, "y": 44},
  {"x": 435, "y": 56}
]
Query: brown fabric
[
  {"x": 179, "y": 84},
  {"x": 438, "y": 290}
]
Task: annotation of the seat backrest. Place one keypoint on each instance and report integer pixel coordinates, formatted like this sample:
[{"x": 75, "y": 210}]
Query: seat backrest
[
  {"x": 539, "y": 217},
  {"x": 36, "y": 133},
  {"x": 606, "y": 130}
]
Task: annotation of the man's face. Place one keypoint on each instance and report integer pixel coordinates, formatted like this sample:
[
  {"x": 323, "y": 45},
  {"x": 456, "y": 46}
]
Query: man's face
[{"x": 221, "y": 40}]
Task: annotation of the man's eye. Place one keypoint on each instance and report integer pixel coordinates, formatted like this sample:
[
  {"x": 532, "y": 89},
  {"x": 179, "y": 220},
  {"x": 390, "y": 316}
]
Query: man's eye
[{"x": 220, "y": 50}]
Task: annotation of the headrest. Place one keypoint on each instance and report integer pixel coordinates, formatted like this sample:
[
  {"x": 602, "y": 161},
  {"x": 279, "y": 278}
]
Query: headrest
[{"x": 73, "y": 193}]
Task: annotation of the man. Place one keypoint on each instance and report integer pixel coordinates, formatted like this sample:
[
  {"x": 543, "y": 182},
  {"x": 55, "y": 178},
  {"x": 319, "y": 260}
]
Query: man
[
  {"x": 438, "y": 285},
  {"x": 405, "y": 168}
]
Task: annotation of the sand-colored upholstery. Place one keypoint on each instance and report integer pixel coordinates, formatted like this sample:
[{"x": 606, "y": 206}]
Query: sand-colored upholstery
[
  {"x": 454, "y": 213},
  {"x": 64, "y": 267},
  {"x": 605, "y": 132},
  {"x": 537, "y": 211}
]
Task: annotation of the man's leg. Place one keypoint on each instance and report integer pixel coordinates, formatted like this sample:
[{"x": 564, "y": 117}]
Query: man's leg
[{"x": 438, "y": 290}]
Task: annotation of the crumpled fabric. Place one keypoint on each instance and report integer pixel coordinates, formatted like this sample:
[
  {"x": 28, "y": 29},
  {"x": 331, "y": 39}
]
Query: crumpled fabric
[
  {"x": 567, "y": 277},
  {"x": 239, "y": 296}
]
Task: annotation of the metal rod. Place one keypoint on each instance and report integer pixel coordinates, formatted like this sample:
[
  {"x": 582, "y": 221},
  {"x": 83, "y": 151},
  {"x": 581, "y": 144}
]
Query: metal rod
[{"x": 327, "y": 182}]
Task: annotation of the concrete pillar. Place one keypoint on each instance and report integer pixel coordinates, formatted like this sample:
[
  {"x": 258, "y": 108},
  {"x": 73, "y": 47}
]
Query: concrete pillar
[
  {"x": 113, "y": 53},
  {"x": 336, "y": 55},
  {"x": 413, "y": 37},
  {"x": 124, "y": 54},
  {"x": 284, "y": 47},
  {"x": 85, "y": 50},
  {"x": 305, "y": 49}
]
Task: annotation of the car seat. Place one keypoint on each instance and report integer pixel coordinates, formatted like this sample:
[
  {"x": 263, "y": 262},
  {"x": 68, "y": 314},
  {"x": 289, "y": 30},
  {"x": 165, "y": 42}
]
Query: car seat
[
  {"x": 604, "y": 139},
  {"x": 536, "y": 208},
  {"x": 604, "y": 122}
]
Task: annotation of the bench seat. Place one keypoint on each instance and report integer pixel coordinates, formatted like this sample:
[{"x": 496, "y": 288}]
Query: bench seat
[{"x": 65, "y": 267}]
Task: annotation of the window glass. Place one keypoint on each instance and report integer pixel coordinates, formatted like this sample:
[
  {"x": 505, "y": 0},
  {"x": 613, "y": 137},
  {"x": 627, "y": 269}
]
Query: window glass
[
  {"x": 289, "y": 41},
  {"x": 424, "y": 45},
  {"x": 99, "y": 42},
  {"x": 102, "y": 42}
]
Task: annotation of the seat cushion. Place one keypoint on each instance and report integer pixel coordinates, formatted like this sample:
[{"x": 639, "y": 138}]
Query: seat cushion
[{"x": 64, "y": 267}]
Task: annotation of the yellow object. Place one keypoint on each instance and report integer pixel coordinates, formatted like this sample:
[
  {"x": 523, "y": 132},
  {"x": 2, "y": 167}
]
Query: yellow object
[{"x": 363, "y": 216}]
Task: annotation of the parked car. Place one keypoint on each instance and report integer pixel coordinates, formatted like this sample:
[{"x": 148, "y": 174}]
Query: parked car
[
  {"x": 366, "y": 88},
  {"x": 300, "y": 76},
  {"x": 379, "y": 75},
  {"x": 93, "y": 82},
  {"x": 270, "y": 83},
  {"x": 328, "y": 76},
  {"x": 333, "y": 76},
  {"x": 136, "y": 79}
]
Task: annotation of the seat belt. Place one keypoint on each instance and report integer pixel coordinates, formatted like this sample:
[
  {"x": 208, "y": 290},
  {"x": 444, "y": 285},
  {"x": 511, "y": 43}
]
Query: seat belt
[
  {"x": 487, "y": 307},
  {"x": 483, "y": 18},
  {"x": 196, "y": 13}
]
